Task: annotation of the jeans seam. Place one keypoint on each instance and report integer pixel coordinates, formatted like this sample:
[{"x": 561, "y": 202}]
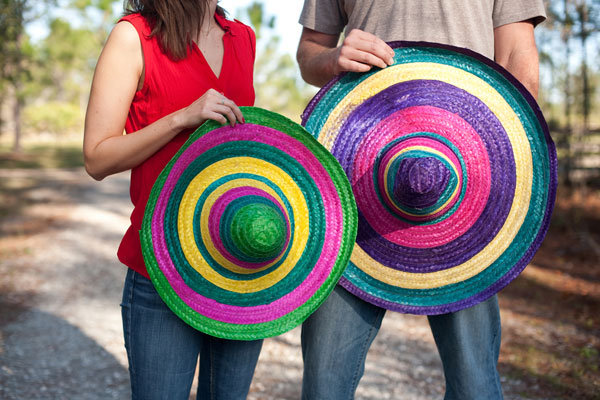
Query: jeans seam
[
  {"x": 129, "y": 337},
  {"x": 211, "y": 373},
  {"x": 497, "y": 336},
  {"x": 364, "y": 349}
]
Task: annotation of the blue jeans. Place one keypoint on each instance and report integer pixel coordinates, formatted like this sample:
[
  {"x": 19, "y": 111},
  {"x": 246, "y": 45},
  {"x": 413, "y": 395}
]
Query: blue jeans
[
  {"x": 336, "y": 338},
  {"x": 163, "y": 351}
]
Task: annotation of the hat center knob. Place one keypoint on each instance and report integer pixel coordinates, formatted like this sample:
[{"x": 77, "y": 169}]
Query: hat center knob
[
  {"x": 420, "y": 181},
  {"x": 258, "y": 230}
]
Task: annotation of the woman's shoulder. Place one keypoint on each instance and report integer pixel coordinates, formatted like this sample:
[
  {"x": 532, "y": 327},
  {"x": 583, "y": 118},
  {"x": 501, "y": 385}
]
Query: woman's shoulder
[
  {"x": 236, "y": 27},
  {"x": 132, "y": 17},
  {"x": 240, "y": 26},
  {"x": 138, "y": 21},
  {"x": 125, "y": 32}
]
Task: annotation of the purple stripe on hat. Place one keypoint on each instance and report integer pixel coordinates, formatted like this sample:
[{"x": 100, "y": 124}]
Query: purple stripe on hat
[
  {"x": 317, "y": 98},
  {"x": 365, "y": 117}
]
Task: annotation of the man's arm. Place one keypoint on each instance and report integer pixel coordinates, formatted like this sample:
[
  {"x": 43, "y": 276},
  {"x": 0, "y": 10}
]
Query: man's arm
[
  {"x": 320, "y": 60},
  {"x": 515, "y": 50}
]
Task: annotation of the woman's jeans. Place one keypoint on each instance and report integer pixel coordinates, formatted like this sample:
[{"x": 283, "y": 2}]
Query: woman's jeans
[
  {"x": 163, "y": 351},
  {"x": 336, "y": 338}
]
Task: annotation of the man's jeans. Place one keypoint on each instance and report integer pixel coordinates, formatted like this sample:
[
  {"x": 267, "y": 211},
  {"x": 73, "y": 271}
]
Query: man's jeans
[
  {"x": 336, "y": 338},
  {"x": 163, "y": 351}
]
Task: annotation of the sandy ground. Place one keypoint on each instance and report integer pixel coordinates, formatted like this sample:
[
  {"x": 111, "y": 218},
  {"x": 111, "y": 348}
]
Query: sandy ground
[{"x": 60, "y": 324}]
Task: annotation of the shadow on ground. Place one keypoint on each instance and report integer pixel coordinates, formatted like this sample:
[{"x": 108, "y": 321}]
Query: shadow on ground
[{"x": 45, "y": 357}]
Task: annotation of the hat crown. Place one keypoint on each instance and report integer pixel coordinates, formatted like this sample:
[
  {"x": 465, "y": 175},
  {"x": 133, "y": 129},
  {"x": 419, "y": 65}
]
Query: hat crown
[
  {"x": 420, "y": 181},
  {"x": 258, "y": 231}
]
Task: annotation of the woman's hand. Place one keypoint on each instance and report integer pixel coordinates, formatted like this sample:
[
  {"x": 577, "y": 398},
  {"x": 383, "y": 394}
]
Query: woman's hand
[{"x": 211, "y": 105}]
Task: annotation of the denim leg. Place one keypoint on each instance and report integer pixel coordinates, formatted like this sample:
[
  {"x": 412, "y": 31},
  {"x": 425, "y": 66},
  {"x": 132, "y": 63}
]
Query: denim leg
[
  {"x": 163, "y": 351},
  {"x": 161, "y": 348},
  {"x": 226, "y": 368},
  {"x": 469, "y": 345},
  {"x": 335, "y": 341}
]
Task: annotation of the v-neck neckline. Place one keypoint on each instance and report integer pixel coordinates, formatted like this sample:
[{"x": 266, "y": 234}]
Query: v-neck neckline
[{"x": 225, "y": 30}]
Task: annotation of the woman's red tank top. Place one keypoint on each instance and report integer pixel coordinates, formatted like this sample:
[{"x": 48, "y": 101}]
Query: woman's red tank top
[{"x": 169, "y": 86}]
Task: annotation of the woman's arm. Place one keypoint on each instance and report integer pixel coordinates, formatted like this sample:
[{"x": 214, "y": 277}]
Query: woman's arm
[
  {"x": 515, "y": 50},
  {"x": 106, "y": 149},
  {"x": 320, "y": 60}
]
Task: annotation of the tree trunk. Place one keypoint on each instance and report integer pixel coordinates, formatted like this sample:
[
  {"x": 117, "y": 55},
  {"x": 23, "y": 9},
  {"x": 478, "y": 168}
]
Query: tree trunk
[
  {"x": 18, "y": 104},
  {"x": 586, "y": 86},
  {"x": 584, "y": 33},
  {"x": 567, "y": 137},
  {"x": 1, "y": 112},
  {"x": 568, "y": 134}
]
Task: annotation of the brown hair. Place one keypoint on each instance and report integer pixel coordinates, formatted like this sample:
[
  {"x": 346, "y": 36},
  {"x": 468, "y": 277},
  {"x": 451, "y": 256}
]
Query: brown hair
[{"x": 175, "y": 22}]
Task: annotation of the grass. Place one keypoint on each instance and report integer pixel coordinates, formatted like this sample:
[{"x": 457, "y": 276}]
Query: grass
[{"x": 41, "y": 156}]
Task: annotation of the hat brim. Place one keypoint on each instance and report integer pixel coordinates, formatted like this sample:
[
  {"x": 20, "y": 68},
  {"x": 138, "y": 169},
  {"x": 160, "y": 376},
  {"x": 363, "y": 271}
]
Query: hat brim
[
  {"x": 474, "y": 116},
  {"x": 192, "y": 261}
]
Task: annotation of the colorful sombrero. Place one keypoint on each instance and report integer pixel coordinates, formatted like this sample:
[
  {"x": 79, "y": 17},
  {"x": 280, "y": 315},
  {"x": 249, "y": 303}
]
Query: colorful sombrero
[
  {"x": 248, "y": 229},
  {"x": 453, "y": 170}
]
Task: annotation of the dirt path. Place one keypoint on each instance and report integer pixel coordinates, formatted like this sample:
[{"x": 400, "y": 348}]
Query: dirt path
[{"x": 60, "y": 285}]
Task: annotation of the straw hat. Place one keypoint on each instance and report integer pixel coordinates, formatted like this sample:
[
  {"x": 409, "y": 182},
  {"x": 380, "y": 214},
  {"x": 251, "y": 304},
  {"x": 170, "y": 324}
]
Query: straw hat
[
  {"x": 453, "y": 170},
  {"x": 248, "y": 229}
]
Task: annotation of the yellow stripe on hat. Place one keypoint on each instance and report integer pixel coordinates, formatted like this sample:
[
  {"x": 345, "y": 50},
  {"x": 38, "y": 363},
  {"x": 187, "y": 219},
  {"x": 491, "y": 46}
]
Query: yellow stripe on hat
[
  {"x": 204, "y": 220},
  {"x": 190, "y": 198},
  {"x": 521, "y": 152}
]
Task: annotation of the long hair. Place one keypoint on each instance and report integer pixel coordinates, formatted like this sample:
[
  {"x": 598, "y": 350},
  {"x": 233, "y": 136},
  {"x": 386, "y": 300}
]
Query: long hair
[{"x": 175, "y": 22}]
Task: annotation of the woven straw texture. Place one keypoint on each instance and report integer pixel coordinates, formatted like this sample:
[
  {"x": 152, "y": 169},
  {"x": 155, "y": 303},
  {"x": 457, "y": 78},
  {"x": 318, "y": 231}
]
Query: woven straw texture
[
  {"x": 453, "y": 171},
  {"x": 248, "y": 229}
]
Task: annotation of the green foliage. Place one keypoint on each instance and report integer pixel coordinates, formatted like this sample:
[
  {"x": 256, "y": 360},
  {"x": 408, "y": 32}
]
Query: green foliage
[
  {"x": 58, "y": 118},
  {"x": 55, "y": 72},
  {"x": 570, "y": 95},
  {"x": 12, "y": 19},
  {"x": 66, "y": 155},
  {"x": 17, "y": 55},
  {"x": 256, "y": 13},
  {"x": 276, "y": 81},
  {"x": 566, "y": 41},
  {"x": 104, "y": 5},
  {"x": 72, "y": 53},
  {"x": 89, "y": 8}
]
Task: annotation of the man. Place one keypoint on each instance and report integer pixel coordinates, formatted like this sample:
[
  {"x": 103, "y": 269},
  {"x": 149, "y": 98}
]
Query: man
[{"x": 336, "y": 338}]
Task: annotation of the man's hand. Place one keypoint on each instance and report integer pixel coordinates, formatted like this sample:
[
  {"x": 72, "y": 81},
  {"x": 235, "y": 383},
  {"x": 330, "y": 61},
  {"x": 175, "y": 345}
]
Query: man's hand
[
  {"x": 360, "y": 51},
  {"x": 320, "y": 59}
]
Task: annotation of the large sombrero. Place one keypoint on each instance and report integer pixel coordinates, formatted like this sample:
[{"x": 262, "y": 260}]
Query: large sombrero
[
  {"x": 248, "y": 229},
  {"x": 453, "y": 170}
]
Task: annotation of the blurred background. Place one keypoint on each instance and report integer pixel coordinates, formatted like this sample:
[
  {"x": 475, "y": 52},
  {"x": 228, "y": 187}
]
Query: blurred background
[{"x": 60, "y": 282}]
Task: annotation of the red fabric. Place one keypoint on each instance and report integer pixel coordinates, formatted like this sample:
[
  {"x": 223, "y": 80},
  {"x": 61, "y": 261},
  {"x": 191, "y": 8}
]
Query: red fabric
[{"x": 169, "y": 86}]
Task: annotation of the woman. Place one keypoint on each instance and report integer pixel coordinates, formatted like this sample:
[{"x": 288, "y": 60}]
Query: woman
[{"x": 167, "y": 66}]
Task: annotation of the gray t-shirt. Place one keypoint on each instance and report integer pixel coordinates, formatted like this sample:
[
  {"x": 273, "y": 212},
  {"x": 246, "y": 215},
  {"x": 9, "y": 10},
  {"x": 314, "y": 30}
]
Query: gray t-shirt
[{"x": 462, "y": 23}]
